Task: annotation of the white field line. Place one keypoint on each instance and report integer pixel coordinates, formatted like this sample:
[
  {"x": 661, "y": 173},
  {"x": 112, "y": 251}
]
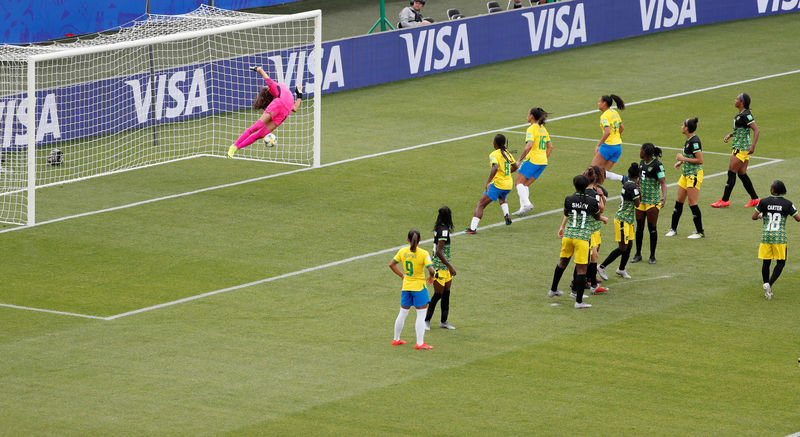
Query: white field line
[
  {"x": 625, "y": 281},
  {"x": 17, "y": 307},
  {"x": 388, "y": 152},
  {"x": 331, "y": 264},
  {"x": 705, "y": 152}
]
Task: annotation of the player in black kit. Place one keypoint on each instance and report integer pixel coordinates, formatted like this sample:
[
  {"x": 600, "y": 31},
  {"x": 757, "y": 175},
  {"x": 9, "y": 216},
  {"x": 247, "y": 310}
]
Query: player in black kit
[
  {"x": 773, "y": 211},
  {"x": 575, "y": 236}
]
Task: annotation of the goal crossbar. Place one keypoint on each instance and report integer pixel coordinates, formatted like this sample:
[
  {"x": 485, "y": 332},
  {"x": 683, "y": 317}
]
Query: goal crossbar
[{"x": 273, "y": 19}]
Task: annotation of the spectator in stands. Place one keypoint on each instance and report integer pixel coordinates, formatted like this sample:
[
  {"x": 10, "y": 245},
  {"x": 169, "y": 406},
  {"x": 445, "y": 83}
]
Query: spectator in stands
[{"x": 411, "y": 16}]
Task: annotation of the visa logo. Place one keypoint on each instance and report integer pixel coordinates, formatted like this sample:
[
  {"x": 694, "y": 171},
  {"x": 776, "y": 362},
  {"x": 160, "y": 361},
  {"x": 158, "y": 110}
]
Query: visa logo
[
  {"x": 784, "y": 5},
  {"x": 169, "y": 86},
  {"x": 298, "y": 63},
  {"x": 14, "y": 120},
  {"x": 439, "y": 47},
  {"x": 556, "y": 27},
  {"x": 666, "y": 13}
]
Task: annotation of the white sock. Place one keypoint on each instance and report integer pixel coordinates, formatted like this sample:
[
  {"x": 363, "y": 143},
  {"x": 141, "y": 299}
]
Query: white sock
[
  {"x": 504, "y": 207},
  {"x": 523, "y": 193},
  {"x": 474, "y": 224},
  {"x": 420, "y": 324},
  {"x": 399, "y": 323},
  {"x": 613, "y": 176}
]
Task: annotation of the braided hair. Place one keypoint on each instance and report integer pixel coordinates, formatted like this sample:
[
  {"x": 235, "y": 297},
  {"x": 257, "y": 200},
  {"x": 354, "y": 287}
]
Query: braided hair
[
  {"x": 444, "y": 219},
  {"x": 500, "y": 142}
]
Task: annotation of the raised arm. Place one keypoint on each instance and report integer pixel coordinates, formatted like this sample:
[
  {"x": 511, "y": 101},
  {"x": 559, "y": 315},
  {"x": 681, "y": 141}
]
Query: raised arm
[{"x": 273, "y": 86}]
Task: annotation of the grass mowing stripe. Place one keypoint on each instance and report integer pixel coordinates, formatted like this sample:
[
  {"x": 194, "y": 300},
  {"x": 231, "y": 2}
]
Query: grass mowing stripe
[
  {"x": 358, "y": 158},
  {"x": 315, "y": 268}
]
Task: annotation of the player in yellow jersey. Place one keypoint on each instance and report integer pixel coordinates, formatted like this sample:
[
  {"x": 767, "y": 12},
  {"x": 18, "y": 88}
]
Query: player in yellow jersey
[
  {"x": 414, "y": 262},
  {"x": 533, "y": 159},
  {"x": 609, "y": 148},
  {"x": 499, "y": 183}
]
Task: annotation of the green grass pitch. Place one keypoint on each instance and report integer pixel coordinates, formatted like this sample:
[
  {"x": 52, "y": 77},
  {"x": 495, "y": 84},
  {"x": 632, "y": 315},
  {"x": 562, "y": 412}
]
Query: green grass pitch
[{"x": 689, "y": 346}]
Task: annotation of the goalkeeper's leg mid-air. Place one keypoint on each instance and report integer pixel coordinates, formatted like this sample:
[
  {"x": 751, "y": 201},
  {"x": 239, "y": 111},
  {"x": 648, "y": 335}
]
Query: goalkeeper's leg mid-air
[{"x": 277, "y": 101}]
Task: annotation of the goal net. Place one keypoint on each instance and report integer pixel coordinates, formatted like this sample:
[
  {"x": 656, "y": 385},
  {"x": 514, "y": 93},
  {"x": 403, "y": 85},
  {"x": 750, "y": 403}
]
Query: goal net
[{"x": 158, "y": 90}]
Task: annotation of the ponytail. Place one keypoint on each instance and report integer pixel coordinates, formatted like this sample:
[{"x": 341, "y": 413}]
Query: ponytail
[
  {"x": 691, "y": 124},
  {"x": 413, "y": 239},
  {"x": 591, "y": 176},
  {"x": 540, "y": 115},
  {"x": 651, "y": 150},
  {"x": 500, "y": 142},
  {"x": 609, "y": 98}
]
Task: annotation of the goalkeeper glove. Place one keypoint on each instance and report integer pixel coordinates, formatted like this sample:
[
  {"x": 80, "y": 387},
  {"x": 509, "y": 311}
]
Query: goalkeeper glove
[
  {"x": 254, "y": 68},
  {"x": 298, "y": 93}
]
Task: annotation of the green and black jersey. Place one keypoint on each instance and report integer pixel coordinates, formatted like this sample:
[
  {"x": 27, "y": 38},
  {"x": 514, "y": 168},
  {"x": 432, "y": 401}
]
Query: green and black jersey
[
  {"x": 579, "y": 209},
  {"x": 649, "y": 183},
  {"x": 594, "y": 192},
  {"x": 441, "y": 233},
  {"x": 774, "y": 210},
  {"x": 741, "y": 130},
  {"x": 691, "y": 147},
  {"x": 627, "y": 207}
]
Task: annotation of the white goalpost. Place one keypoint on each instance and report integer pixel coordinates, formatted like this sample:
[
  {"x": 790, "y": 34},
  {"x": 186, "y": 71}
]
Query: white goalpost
[{"x": 160, "y": 90}]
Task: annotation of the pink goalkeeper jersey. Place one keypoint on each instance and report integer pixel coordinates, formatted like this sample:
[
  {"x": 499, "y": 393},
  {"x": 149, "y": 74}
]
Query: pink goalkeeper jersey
[{"x": 281, "y": 106}]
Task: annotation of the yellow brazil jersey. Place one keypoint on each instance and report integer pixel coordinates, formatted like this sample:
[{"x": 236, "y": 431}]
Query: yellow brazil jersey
[
  {"x": 413, "y": 264},
  {"x": 502, "y": 179},
  {"x": 538, "y": 135},
  {"x": 611, "y": 118}
]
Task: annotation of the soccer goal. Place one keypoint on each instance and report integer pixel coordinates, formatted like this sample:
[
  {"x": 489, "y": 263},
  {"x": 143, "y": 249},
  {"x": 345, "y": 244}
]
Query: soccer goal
[{"x": 158, "y": 90}]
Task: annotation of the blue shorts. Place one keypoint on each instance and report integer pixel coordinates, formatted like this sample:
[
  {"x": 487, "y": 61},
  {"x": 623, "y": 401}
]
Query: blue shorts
[
  {"x": 495, "y": 193},
  {"x": 610, "y": 153},
  {"x": 531, "y": 170},
  {"x": 414, "y": 298}
]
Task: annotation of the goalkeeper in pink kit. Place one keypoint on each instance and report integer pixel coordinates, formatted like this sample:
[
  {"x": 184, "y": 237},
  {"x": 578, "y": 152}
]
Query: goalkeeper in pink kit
[{"x": 277, "y": 101}]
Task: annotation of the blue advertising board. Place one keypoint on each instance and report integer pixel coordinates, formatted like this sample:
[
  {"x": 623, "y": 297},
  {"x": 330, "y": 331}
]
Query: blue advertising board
[
  {"x": 25, "y": 21},
  {"x": 451, "y": 45},
  {"x": 204, "y": 89}
]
